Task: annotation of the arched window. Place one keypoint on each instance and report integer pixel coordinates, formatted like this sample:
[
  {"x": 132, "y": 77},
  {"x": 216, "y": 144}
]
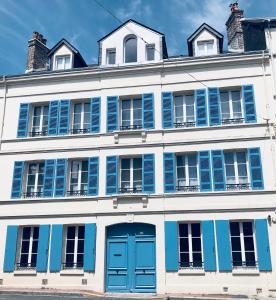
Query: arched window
[{"x": 131, "y": 49}]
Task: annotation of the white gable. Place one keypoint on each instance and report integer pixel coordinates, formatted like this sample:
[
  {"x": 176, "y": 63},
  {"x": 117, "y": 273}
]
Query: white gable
[
  {"x": 205, "y": 36},
  {"x": 117, "y": 38},
  {"x": 61, "y": 52}
]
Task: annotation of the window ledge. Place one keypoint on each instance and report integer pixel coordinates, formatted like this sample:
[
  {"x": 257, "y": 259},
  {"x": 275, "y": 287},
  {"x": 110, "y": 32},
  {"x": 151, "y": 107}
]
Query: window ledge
[
  {"x": 25, "y": 272},
  {"x": 143, "y": 197},
  {"x": 246, "y": 271},
  {"x": 191, "y": 271},
  {"x": 72, "y": 272},
  {"x": 138, "y": 132}
]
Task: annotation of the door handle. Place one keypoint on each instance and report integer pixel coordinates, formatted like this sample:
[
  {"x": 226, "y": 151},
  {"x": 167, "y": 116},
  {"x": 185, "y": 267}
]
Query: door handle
[{"x": 117, "y": 254}]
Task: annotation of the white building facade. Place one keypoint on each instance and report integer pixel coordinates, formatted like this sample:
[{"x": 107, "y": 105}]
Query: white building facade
[{"x": 143, "y": 174}]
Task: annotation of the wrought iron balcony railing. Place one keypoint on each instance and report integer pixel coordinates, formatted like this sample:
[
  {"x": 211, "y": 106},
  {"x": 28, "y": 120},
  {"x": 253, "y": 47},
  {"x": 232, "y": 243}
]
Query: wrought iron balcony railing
[
  {"x": 232, "y": 121},
  {"x": 135, "y": 190},
  {"x": 79, "y": 131},
  {"x": 38, "y": 133},
  {"x": 32, "y": 195},
  {"x": 131, "y": 127},
  {"x": 71, "y": 265},
  {"x": 187, "y": 188},
  {"x": 191, "y": 265},
  {"x": 25, "y": 266},
  {"x": 245, "y": 264},
  {"x": 184, "y": 124},
  {"x": 238, "y": 186},
  {"x": 76, "y": 193}
]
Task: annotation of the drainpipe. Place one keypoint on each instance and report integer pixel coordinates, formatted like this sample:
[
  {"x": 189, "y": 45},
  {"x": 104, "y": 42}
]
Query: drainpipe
[
  {"x": 4, "y": 109},
  {"x": 271, "y": 57},
  {"x": 270, "y": 125}
]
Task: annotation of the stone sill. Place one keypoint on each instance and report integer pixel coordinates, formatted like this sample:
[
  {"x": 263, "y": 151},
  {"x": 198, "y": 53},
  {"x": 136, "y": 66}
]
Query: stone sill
[
  {"x": 25, "y": 273},
  {"x": 72, "y": 272},
  {"x": 191, "y": 272},
  {"x": 241, "y": 271}
]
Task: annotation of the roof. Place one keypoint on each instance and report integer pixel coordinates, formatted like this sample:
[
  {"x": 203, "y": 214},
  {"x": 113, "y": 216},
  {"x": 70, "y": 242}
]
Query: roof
[
  {"x": 198, "y": 31},
  {"x": 261, "y": 21},
  {"x": 122, "y": 25},
  {"x": 71, "y": 47}
]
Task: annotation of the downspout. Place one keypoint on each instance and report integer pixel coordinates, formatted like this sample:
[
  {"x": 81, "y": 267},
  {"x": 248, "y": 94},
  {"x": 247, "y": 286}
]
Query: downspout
[
  {"x": 4, "y": 109},
  {"x": 270, "y": 124},
  {"x": 271, "y": 57}
]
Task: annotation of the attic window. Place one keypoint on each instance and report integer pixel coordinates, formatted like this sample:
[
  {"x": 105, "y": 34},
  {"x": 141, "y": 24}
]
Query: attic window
[
  {"x": 63, "y": 62},
  {"x": 110, "y": 56},
  {"x": 205, "y": 48},
  {"x": 150, "y": 49},
  {"x": 131, "y": 49}
]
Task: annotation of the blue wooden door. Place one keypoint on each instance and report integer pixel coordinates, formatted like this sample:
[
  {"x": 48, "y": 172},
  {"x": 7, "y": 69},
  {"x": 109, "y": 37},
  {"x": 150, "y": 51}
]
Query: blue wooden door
[{"x": 130, "y": 260}]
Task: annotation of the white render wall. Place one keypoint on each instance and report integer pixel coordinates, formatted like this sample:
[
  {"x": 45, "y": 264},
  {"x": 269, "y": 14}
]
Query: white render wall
[{"x": 230, "y": 71}]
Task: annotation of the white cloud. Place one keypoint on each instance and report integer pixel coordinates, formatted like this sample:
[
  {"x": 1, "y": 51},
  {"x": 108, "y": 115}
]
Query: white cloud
[{"x": 135, "y": 9}]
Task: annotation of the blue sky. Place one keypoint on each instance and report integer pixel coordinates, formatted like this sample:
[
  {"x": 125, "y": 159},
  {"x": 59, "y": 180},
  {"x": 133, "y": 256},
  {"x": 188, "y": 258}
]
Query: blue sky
[{"x": 83, "y": 22}]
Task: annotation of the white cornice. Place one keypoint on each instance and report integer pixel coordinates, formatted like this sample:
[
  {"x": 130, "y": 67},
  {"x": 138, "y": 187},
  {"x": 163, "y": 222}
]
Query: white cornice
[{"x": 187, "y": 63}]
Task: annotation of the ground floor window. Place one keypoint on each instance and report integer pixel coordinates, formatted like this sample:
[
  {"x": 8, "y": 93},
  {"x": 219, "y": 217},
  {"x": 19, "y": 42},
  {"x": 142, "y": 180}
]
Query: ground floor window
[
  {"x": 28, "y": 244},
  {"x": 190, "y": 245},
  {"x": 242, "y": 244},
  {"x": 74, "y": 247}
]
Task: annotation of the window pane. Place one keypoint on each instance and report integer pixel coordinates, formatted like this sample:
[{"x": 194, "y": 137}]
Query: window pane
[
  {"x": 70, "y": 246},
  {"x": 248, "y": 244},
  {"x": 195, "y": 229},
  {"x": 197, "y": 260},
  {"x": 150, "y": 52},
  {"x": 250, "y": 259},
  {"x": 247, "y": 228},
  {"x": 26, "y": 233},
  {"x": 36, "y": 232},
  {"x": 71, "y": 232},
  {"x": 196, "y": 244},
  {"x": 111, "y": 54},
  {"x": 184, "y": 245},
  {"x": 184, "y": 260},
  {"x": 67, "y": 62},
  {"x": 236, "y": 243},
  {"x": 131, "y": 50},
  {"x": 183, "y": 230},
  {"x": 237, "y": 259},
  {"x": 234, "y": 228}
]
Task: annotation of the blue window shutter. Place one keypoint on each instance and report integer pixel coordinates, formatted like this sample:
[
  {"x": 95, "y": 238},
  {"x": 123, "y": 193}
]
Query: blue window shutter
[
  {"x": 93, "y": 176},
  {"x": 23, "y": 120},
  {"x": 218, "y": 170},
  {"x": 205, "y": 171},
  {"x": 167, "y": 110},
  {"x": 49, "y": 178},
  {"x": 56, "y": 248},
  {"x": 18, "y": 171},
  {"x": 263, "y": 249},
  {"x": 43, "y": 248},
  {"x": 148, "y": 173},
  {"x": 112, "y": 113},
  {"x": 10, "y": 250},
  {"x": 171, "y": 246},
  {"x": 89, "y": 248},
  {"x": 111, "y": 175},
  {"x": 223, "y": 245},
  {"x": 209, "y": 251},
  {"x": 256, "y": 172},
  {"x": 64, "y": 116},
  {"x": 95, "y": 114},
  {"x": 201, "y": 108},
  {"x": 60, "y": 182},
  {"x": 148, "y": 111},
  {"x": 53, "y": 118},
  {"x": 169, "y": 172},
  {"x": 214, "y": 106},
  {"x": 249, "y": 104}
]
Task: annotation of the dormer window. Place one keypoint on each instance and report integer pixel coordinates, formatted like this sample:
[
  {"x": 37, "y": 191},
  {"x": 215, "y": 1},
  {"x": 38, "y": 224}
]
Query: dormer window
[
  {"x": 150, "y": 49},
  {"x": 205, "y": 47},
  {"x": 63, "y": 62},
  {"x": 110, "y": 56},
  {"x": 131, "y": 49}
]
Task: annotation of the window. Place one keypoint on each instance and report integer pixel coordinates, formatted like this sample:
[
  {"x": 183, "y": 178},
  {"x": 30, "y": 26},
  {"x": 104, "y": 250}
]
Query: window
[
  {"x": 78, "y": 178},
  {"x": 35, "y": 178},
  {"x": 131, "y": 49},
  {"x": 184, "y": 110},
  {"x": 74, "y": 247},
  {"x": 131, "y": 175},
  {"x": 63, "y": 62},
  {"x": 150, "y": 52},
  {"x": 205, "y": 48},
  {"x": 27, "y": 255},
  {"x": 236, "y": 170},
  {"x": 187, "y": 177},
  {"x": 190, "y": 245},
  {"x": 131, "y": 114},
  {"x": 40, "y": 120},
  {"x": 231, "y": 107},
  {"x": 110, "y": 56},
  {"x": 81, "y": 118},
  {"x": 242, "y": 244}
]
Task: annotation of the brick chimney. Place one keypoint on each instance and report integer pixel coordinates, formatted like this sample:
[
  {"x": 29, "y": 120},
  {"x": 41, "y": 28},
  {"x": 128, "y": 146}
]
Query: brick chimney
[
  {"x": 37, "y": 53},
  {"x": 234, "y": 29}
]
